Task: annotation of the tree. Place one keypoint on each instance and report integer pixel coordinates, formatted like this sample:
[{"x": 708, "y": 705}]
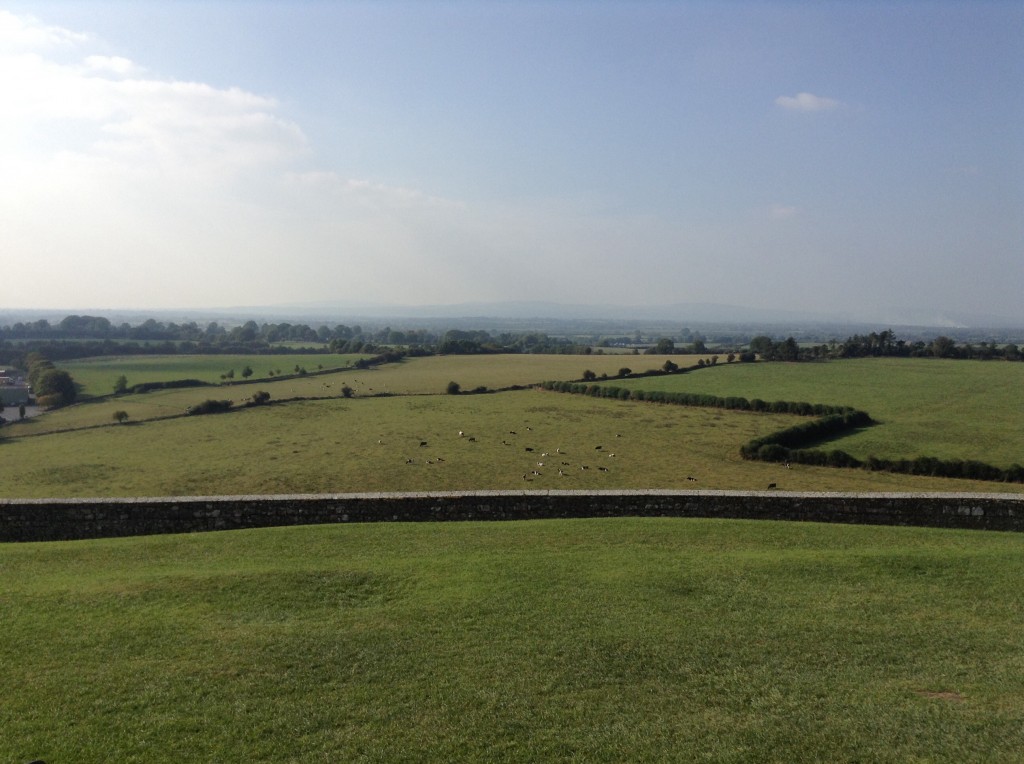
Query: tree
[
  {"x": 589, "y": 376},
  {"x": 346, "y": 391},
  {"x": 454, "y": 388},
  {"x": 664, "y": 346},
  {"x": 761, "y": 345},
  {"x": 121, "y": 385},
  {"x": 57, "y": 386},
  {"x": 120, "y": 416},
  {"x": 670, "y": 367},
  {"x": 247, "y": 372},
  {"x": 625, "y": 371}
]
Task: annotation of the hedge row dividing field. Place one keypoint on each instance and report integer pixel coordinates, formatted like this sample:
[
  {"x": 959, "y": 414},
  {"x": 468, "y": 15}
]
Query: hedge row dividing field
[
  {"x": 794, "y": 444},
  {"x": 329, "y": 444}
]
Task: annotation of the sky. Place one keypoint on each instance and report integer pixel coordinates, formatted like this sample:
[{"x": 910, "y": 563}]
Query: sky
[{"x": 859, "y": 158}]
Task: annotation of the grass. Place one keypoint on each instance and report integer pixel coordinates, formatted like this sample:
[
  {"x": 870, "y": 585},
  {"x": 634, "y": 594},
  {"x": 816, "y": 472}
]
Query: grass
[
  {"x": 96, "y": 376},
  {"x": 415, "y": 376},
  {"x": 364, "y": 444},
  {"x": 587, "y": 640},
  {"x": 946, "y": 409},
  {"x": 925, "y": 407}
]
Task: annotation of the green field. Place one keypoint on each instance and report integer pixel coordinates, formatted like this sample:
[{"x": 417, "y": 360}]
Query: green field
[
  {"x": 96, "y": 376},
  {"x": 586, "y": 640},
  {"x": 925, "y": 407},
  {"x": 416, "y": 376},
  {"x": 332, "y": 444}
]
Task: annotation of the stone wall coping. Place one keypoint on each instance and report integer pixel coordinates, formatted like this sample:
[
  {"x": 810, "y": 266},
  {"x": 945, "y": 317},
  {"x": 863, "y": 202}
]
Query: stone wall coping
[{"x": 398, "y": 495}]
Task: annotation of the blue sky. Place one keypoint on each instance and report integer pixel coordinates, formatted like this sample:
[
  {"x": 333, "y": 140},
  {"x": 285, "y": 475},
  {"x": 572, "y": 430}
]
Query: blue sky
[{"x": 856, "y": 158}]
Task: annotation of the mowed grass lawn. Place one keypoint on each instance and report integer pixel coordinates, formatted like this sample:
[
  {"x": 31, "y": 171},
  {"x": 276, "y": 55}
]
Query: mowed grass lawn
[
  {"x": 373, "y": 444},
  {"x": 611, "y": 640},
  {"x": 925, "y": 407}
]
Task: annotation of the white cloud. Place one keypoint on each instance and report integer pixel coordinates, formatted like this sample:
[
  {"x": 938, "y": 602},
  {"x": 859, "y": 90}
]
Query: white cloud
[
  {"x": 782, "y": 212},
  {"x": 807, "y": 102},
  {"x": 105, "y": 108},
  {"x": 20, "y": 33},
  {"x": 113, "y": 64}
]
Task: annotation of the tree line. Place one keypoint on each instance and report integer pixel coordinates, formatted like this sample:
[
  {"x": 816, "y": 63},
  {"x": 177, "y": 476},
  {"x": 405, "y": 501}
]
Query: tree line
[{"x": 883, "y": 344}]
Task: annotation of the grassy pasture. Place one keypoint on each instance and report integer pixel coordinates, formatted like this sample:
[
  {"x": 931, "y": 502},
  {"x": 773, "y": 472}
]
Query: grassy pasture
[
  {"x": 97, "y": 376},
  {"x": 926, "y": 407},
  {"x": 414, "y": 376},
  {"x": 363, "y": 444},
  {"x": 584, "y": 640}
]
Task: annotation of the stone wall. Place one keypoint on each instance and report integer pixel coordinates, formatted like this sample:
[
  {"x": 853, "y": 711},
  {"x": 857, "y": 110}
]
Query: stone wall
[{"x": 64, "y": 519}]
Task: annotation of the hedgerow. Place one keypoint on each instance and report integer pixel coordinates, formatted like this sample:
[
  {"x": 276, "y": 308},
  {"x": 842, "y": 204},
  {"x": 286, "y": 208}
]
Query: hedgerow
[{"x": 791, "y": 445}]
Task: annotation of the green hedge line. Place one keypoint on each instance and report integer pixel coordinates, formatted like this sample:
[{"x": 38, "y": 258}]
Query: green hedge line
[
  {"x": 171, "y": 384},
  {"x": 701, "y": 400}
]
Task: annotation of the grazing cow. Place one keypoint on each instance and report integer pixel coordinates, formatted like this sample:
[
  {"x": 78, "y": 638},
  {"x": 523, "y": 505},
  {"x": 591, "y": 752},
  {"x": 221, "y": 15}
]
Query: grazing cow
[
  {"x": 471, "y": 439},
  {"x": 423, "y": 443},
  {"x": 691, "y": 478},
  {"x": 603, "y": 469},
  {"x": 771, "y": 486},
  {"x": 529, "y": 449},
  {"x": 598, "y": 448}
]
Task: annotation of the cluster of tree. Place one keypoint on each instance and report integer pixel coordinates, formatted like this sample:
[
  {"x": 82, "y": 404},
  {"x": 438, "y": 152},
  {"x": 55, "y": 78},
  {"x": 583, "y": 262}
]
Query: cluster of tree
[
  {"x": 209, "y": 406},
  {"x": 878, "y": 344},
  {"x": 463, "y": 342},
  {"x": 52, "y": 387}
]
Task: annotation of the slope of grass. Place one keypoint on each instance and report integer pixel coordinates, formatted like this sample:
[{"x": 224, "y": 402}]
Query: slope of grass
[
  {"x": 925, "y": 407},
  {"x": 598, "y": 641}
]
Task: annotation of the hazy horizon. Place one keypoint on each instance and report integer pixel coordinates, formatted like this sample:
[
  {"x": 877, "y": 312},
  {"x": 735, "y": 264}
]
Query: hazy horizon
[{"x": 827, "y": 158}]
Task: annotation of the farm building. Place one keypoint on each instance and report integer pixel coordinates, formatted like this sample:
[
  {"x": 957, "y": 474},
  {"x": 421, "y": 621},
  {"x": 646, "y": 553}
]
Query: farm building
[{"x": 13, "y": 389}]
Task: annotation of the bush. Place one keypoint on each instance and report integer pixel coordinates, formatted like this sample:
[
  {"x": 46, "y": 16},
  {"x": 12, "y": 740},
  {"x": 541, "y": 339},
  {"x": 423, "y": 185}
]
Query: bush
[
  {"x": 209, "y": 406},
  {"x": 454, "y": 388},
  {"x": 259, "y": 398}
]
